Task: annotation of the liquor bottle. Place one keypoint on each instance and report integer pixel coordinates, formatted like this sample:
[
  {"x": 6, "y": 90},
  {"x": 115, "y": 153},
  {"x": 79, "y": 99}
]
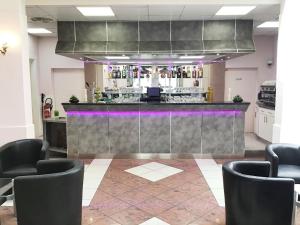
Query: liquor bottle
[
  {"x": 119, "y": 73},
  {"x": 130, "y": 72},
  {"x": 162, "y": 74},
  {"x": 174, "y": 72},
  {"x": 127, "y": 72},
  {"x": 179, "y": 72},
  {"x": 188, "y": 72},
  {"x": 184, "y": 74},
  {"x": 124, "y": 72},
  {"x": 135, "y": 72},
  {"x": 169, "y": 73},
  {"x": 200, "y": 72},
  {"x": 109, "y": 72},
  {"x": 194, "y": 72},
  {"x": 114, "y": 73}
]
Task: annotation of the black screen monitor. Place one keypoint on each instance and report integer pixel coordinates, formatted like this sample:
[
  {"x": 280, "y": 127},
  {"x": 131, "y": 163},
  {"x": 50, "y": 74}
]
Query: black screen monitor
[{"x": 153, "y": 92}]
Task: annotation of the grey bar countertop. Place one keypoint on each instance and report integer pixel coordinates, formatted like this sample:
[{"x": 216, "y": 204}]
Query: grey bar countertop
[
  {"x": 157, "y": 106},
  {"x": 160, "y": 103}
]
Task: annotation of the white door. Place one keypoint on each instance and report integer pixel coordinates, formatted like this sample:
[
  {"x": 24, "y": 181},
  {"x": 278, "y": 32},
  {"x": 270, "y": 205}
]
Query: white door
[
  {"x": 243, "y": 82},
  {"x": 67, "y": 82}
]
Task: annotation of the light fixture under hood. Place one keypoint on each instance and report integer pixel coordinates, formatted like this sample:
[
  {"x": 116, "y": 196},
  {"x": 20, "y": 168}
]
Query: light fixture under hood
[
  {"x": 192, "y": 57},
  {"x": 117, "y": 57},
  {"x": 183, "y": 62}
]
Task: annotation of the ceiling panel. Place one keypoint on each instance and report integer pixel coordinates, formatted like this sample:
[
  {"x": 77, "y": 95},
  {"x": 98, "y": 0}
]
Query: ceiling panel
[
  {"x": 130, "y": 10},
  {"x": 195, "y": 17},
  {"x": 269, "y": 9},
  {"x": 164, "y": 18},
  {"x": 63, "y": 13},
  {"x": 36, "y": 11},
  {"x": 204, "y": 10},
  {"x": 155, "y": 10},
  {"x": 132, "y": 18}
]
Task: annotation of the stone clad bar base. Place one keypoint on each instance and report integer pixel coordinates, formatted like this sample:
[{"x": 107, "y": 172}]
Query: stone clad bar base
[{"x": 197, "y": 128}]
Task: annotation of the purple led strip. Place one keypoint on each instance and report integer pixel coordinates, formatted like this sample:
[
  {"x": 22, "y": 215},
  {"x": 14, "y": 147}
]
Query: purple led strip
[{"x": 156, "y": 113}]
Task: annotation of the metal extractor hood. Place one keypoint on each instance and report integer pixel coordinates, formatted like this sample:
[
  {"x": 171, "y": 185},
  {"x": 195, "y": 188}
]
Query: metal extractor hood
[{"x": 155, "y": 40}]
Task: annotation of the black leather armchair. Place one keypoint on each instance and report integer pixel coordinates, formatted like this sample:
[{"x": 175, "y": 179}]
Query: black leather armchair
[
  {"x": 19, "y": 158},
  {"x": 285, "y": 160},
  {"x": 253, "y": 198},
  {"x": 53, "y": 197}
]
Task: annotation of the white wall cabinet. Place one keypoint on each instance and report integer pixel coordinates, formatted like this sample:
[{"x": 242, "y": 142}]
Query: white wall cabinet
[{"x": 264, "y": 120}]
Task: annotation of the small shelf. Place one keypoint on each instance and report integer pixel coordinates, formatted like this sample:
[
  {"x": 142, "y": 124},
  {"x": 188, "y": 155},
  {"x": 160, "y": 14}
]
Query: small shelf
[{"x": 59, "y": 150}]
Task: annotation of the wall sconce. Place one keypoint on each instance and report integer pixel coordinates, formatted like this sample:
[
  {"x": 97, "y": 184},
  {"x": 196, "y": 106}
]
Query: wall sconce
[{"x": 3, "y": 48}]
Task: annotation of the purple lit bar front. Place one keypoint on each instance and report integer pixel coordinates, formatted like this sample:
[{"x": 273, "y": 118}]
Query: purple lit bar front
[{"x": 156, "y": 113}]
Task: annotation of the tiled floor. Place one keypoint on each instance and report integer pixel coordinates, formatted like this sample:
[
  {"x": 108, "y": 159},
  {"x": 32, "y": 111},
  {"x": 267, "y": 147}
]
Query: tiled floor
[
  {"x": 192, "y": 195},
  {"x": 254, "y": 143}
]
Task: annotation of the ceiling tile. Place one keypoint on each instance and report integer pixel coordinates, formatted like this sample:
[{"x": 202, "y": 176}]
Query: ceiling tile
[
  {"x": 164, "y": 18},
  {"x": 155, "y": 10},
  {"x": 195, "y": 17},
  {"x": 130, "y": 10},
  {"x": 66, "y": 13},
  {"x": 36, "y": 12},
  {"x": 204, "y": 10},
  {"x": 269, "y": 9},
  {"x": 132, "y": 17}
]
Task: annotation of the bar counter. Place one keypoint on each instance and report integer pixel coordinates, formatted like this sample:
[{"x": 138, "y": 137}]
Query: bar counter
[{"x": 158, "y": 127}]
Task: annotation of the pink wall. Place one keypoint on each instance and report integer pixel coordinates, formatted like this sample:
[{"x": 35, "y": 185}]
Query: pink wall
[
  {"x": 49, "y": 61},
  {"x": 266, "y": 48}
]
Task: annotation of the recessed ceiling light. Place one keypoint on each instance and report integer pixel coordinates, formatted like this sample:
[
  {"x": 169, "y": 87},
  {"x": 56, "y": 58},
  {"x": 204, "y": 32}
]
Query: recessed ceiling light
[
  {"x": 269, "y": 24},
  {"x": 96, "y": 11},
  {"x": 38, "y": 31},
  {"x": 117, "y": 57},
  {"x": 192, "y": 57},
  {"x": 127, "y": 62},
  {"x": 234, "y": 10}
]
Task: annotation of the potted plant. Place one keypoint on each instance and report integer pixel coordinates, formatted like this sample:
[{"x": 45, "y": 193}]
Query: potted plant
[
  {"x": 56, "y": 114},
  {"x": 73, "y": 99},
  {"x": 237, "y": 99},
  {"x": 97, "y": 95}
]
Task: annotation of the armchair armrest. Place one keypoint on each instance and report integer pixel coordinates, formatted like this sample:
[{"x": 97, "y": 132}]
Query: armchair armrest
[
  {"x": 273, "y": 159},
  {"x": 6, "y": 156},
  {"x": 54, "y": 166}
]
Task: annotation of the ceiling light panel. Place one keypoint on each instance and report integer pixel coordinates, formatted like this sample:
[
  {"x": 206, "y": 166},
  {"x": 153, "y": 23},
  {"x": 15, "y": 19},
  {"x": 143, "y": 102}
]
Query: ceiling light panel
[
  {"x": 269, "y": 24},
  {"x": 235, "y": 10},
  {"x": 96, "y": 11}
]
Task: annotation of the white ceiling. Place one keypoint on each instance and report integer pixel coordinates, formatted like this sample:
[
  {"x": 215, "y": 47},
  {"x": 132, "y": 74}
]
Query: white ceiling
[
  {"x": 263, "y": 12},
  {"x": 149, "y": 2}
]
